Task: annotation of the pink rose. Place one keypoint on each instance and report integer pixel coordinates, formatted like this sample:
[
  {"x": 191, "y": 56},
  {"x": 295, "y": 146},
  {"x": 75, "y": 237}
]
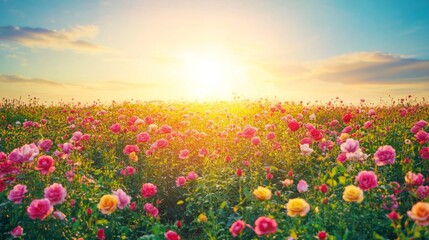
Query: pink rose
[
  {"x": 180, "y": 181},
  {"x": 148, "y": 190},
  {"x": 237, "y": 227},
  {"x": 347, "y": 129},
  {"x": 76, "y": 136},
  {"x": 302, "y": 186},
  {"x": 128, "y": 149},
  {"x": 422, "y": 192},
  {"x": 342, "y": 157},
  {"x": 161, "y": 143},
  {"x": 59, "y": 215},
  {"x": 248, "y": 132},
  {"x": 271, "y": 136},
  {"x": 424, "y": 153},
  {"x": 255, "y": 141},
  {"x": 265, "y": 226},
  {"x": 165, "y": 129},
  {"x": 422, "y": 137},
  {"x": 66, "y": 147},
  {"x": 191, "y": 176},
  {"x": 45, "y": 145},
  {"x": 184, "y": 154},
  {"x": 115, "y": 128},
  {"x": 17, "y": 193},
  {"x": 367, "y": 180},
  {"x": 367, "y": 125},
  {"x": 45, "y": 165},
  {"x": 123, "y": 198},
  {"x": 151, "y": 210},
  {"x": 26, "y": 153},
  {"x": 414, "y": 179},
  {"x": 55, "y": 193},
  {"x": 385, "y": 155},
  {"x": 203, "y": 152},
  {"x": 128, "y": 171},
  {"x": 29, "y": 152},
  {"x": 17, "y": 232},
  {"x": 40, "y": 208},
  {"x": 143, "y": 137},
  {"x": 350, "y": 146},
  {"x": 421, "y": 124}
]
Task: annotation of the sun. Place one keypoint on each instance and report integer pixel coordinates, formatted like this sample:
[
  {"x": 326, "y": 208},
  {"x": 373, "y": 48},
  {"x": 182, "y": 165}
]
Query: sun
[{"x": 211, "y": 75}]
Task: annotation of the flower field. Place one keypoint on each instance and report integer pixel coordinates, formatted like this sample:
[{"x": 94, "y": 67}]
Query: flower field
[{"x": 218, "y": 170}]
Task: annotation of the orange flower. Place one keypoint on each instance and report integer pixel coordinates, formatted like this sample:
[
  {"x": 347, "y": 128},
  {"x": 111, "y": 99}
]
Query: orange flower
[
  {"x": 133, "y": 157},
  {"x": 108, "y": 204},
  {"x": 202, "y": 218},
  {"x": 420, "y": 213}
]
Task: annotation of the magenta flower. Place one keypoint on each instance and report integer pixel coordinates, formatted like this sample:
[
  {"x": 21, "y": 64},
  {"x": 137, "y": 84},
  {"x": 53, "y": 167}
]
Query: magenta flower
[
  {"x": 385, "y": 155},
  {"x": 302, "y": 186},
  {"x": 55, "y": 193},
  {"x": 148, "y": 190},
  {"x": 17, "y": 193},
  {"x": 265, "y": 226},
  {"x": 367, "y": 180},
  {"x": 123, "y": 198}
]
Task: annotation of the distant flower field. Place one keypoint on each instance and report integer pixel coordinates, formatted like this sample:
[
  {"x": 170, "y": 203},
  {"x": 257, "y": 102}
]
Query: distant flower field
[{"x": 218, "y": 170}]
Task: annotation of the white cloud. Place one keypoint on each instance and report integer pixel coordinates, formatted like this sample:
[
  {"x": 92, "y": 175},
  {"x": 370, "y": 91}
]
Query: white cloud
[{"x": 70, "y": 38}]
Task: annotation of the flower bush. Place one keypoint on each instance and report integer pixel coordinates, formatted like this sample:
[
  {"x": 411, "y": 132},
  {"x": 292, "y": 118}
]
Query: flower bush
[{"x": 215, "y": 170}]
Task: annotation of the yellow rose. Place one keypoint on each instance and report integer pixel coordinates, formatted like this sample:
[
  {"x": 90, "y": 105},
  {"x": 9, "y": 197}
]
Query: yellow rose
[
  {"x": 262, "y": 193},
  {"x": 420, "y": 213},
  {"x": 133, "y": 157},
  {"x": 297, "y": 206},
  {"x": 353, "y": 194},
  {"x": 108, "y": 204}
]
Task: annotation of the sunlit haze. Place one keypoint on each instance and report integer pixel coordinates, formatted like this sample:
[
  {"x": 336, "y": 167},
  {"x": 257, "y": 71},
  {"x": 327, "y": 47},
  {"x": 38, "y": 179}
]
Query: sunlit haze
[{"x": 213, "y": 50}]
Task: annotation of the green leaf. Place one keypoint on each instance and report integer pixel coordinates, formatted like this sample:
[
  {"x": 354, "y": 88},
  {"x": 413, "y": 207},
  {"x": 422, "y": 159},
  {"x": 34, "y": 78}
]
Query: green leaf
[
  {"x": 377, "y": 236},
  {"x": 246, "y": 192},
  {"x": 274, "y": 168},
  {"x": 102, "y": 222},
  {"x": 223, "y": 205},
  {"x": 150, "y": 236}
]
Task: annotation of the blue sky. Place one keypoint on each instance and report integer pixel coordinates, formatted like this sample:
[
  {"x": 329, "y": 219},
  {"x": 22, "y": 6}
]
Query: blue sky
[{"x": 186, "y": 50}]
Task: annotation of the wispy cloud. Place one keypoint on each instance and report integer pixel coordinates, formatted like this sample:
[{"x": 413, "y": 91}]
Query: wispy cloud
[
  {"x": 70, "y": 38},
  {"x": 372, "y": 68},
  {"x": 13, "y": 79}
]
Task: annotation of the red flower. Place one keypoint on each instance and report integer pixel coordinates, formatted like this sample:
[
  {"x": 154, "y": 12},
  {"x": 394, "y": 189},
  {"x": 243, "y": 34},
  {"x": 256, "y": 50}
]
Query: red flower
[
  {"x": 323, "y": 188},
  {"x": 322, "y": 235},
  {"x": 346, "y": 118},
  {"x": 293, "y": 125},
  {"x": 171, "y": 235},
  {"x": 100, "y": 234}
]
